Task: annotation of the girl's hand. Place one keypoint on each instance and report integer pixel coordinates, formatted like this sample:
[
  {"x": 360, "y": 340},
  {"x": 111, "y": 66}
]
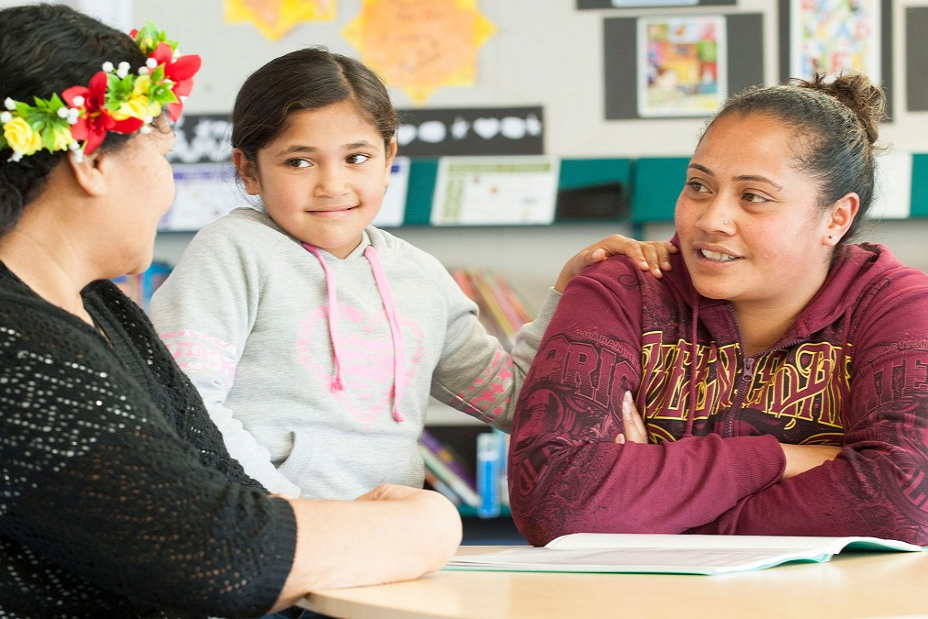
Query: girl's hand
[
  {"x": 653, "y": 256},
  {"x": 633, "y": 430}
]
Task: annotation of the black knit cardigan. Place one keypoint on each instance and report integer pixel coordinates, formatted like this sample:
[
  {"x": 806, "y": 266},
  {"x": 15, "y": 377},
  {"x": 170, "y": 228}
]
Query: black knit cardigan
[{"x": 117, "y": 495}]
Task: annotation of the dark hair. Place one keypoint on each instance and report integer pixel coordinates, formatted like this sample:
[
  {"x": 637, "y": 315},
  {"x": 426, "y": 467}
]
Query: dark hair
[
  {"x": 306, "y": 79},
  {"x": 46, "y": 49},
  {"x": 836, "y": 123}
]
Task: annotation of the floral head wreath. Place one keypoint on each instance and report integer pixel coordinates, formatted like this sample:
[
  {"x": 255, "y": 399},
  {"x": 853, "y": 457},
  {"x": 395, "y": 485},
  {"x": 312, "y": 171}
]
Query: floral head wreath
[{"x": 115, "y": 100}]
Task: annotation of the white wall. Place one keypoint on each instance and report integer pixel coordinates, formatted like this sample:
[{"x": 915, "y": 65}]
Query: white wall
[{"x": 544, "y": 52}]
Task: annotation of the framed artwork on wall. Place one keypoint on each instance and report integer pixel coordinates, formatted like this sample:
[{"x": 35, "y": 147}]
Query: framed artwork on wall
[
  {"x": 682, "y": 65},
  {"x": 710, "y": 66},
  {"x": 834, "y": 35}
]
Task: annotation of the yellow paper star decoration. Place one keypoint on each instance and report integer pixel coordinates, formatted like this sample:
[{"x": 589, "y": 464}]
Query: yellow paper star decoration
[
  {"x": 419, "y": 46},
  {"x": 274, "y": 18}
]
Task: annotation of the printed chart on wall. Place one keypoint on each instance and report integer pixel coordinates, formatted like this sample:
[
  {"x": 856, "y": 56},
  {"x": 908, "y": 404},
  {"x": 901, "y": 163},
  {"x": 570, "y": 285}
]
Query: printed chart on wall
[
  {"x": 829, "y": 35},
  {"x": 682, "y": 69},
  {"x": 204, "y": 192},
  {"x": 204, "y": 177},
  {"x": 479, "y": 191}
]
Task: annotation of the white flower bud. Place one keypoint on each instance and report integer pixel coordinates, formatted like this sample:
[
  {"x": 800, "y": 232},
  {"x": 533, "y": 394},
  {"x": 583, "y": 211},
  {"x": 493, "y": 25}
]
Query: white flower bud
[
  {"x": 62, "y": 112},
  {"x": 143, "y": 71},
  {"x": 145, "y": 129},
  {"x": 123, "y": 69},
  {"x": 9, "y": 104},
  {"x": 79, "y": 101},
  {"x": 151, "y": 63},
  {"x": 5, "y": 117},
  {"x": 108, "y": 66}
]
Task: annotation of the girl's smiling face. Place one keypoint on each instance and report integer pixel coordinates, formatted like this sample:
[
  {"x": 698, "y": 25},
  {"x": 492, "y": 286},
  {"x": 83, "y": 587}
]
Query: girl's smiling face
[
  {"x": 750, "y": 225},
  {"x": 322, "y": 179}
]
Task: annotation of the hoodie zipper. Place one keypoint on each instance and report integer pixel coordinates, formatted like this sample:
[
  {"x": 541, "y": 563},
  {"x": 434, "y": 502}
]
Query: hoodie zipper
[{"x": 747, "y": 375}]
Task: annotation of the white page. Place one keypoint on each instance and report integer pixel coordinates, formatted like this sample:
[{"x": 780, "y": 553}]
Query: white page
[{"x": 673, "y": 554}]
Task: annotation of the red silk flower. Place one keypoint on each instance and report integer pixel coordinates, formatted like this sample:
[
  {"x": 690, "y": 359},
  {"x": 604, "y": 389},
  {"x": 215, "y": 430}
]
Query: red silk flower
[
  {"x": 180, "y": 72},
  {"x": 91, "y": 127}
]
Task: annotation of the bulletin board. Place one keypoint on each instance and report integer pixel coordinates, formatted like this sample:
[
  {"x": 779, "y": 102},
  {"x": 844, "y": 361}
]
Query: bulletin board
[
  {"x": 744, "y": 56},
  {"x": 642, "y": 4},
  {"x": 916, "y": 61}
]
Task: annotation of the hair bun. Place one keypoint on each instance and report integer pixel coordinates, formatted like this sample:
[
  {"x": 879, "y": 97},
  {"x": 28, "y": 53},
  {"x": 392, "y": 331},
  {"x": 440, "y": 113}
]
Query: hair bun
[{"x": 855, "y": 90}]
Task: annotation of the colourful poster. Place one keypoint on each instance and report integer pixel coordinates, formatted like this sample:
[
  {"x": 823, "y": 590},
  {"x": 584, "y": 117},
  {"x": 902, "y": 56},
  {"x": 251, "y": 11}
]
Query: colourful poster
[
  {"x": 419, "y": 46},
  {"x": 830, "y": 35},
  {"x": 682, "y": 68}
]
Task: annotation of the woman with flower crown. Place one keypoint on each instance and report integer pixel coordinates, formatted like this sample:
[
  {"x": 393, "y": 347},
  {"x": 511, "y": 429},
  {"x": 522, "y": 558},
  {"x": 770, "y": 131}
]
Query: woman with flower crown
[{"x": 118, "y": 497}]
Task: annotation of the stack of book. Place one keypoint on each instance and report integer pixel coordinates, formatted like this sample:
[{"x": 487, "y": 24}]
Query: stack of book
[
  {"x": 479, "y": 488},
  {"x": 502, "y": 311}
]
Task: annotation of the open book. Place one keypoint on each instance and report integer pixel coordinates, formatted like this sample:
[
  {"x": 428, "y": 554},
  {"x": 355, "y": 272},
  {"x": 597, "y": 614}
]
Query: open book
[{"x": 669, "y": 554}]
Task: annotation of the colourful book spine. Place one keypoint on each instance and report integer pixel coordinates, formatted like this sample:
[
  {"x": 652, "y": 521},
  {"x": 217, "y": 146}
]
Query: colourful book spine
[
  {"x": 455, "y": 462},
  {"x": 441, "y": 470},
  {"x": 504, "y": 472},
  {"x": 517, "y": 304},
  {"x": 441, "y": 487},
  {"x": 460, "y": 276}
]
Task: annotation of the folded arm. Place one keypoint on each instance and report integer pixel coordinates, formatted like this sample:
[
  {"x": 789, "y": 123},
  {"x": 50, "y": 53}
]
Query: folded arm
[{"x": 567, "y": 472}]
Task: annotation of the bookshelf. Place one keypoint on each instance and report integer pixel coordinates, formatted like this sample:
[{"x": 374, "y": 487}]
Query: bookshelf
[
  {"x": 478, "y": 528},
  {"x": 465, "y": 459}
]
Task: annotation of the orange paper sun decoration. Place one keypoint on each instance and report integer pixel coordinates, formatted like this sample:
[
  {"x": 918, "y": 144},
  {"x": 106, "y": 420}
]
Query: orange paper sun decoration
[
  {"x": 419, "y": 46},
  {"x": 275, "y": 18}
]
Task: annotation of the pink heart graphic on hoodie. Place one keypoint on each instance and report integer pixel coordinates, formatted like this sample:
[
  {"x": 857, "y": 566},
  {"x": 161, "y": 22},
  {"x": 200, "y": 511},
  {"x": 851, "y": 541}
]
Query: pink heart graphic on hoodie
[{"x": 366, "y": 354}]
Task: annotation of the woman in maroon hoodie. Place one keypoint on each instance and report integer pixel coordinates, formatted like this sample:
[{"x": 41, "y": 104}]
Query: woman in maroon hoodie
[{"x": 774, "y": 382}]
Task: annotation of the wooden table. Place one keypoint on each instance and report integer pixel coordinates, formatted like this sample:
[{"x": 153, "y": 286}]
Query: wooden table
[{"x": 850, "y": 585}]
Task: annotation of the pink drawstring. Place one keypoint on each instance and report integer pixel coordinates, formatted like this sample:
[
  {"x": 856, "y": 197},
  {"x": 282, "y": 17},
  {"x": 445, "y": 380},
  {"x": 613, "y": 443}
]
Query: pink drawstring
[
  {"x": 383, "y": 287},
  {"x": 336, "y": 384},
  {"x": 398, "y": 362}
]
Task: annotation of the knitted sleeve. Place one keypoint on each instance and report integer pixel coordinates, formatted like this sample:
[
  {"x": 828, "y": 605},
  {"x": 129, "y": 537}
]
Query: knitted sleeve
[{"x": 100, "y": 486}]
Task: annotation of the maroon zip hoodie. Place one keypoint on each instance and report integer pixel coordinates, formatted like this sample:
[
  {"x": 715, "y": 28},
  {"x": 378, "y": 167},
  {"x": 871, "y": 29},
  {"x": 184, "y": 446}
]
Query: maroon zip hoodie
[{"x": 851, "y": 372}]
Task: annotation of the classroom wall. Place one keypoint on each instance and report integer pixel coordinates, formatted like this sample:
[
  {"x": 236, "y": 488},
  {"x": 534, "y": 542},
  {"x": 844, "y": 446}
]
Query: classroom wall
[{"x": 544, "y": 52}]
